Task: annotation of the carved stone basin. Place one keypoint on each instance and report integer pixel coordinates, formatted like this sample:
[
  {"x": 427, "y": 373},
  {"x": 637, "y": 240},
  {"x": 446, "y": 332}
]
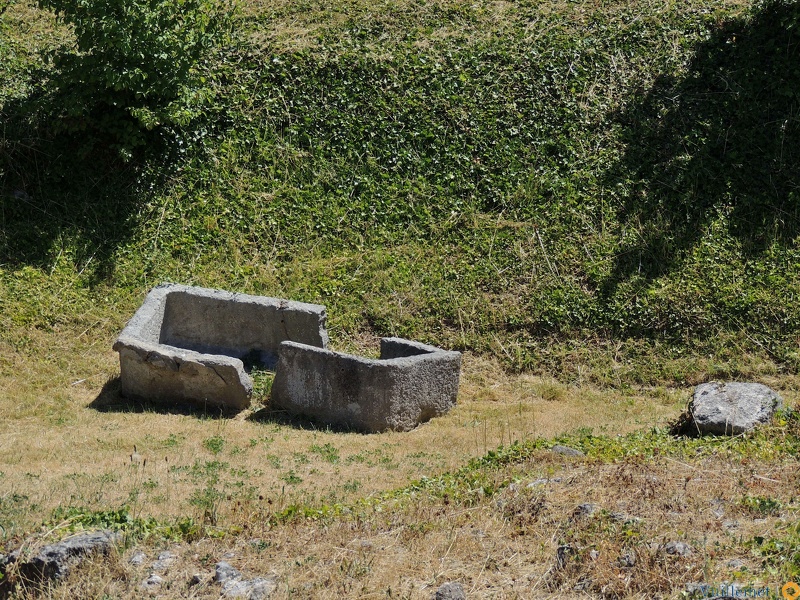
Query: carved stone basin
[
  {"x": 194, "y": 344},
  {"x": 409, "y": 384}
]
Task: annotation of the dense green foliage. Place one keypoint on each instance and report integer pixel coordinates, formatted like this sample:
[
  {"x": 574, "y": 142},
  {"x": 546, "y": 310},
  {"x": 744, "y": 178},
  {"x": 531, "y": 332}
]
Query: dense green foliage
[
  {"x": 136, "y": 65},
  {"x": 605, "y": 192}
]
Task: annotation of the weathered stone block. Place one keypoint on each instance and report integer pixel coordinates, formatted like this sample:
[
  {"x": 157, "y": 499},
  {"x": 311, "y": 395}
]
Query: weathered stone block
[
  {"x": 409, "y": 384},
  {"x": 55, "y": 561},
  {"x": 191, "y": 344},
  {"x": 731, "y": 408}
]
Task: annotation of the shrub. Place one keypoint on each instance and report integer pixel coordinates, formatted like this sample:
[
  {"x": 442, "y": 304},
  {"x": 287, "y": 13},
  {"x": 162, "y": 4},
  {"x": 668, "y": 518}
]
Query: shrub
[{"x": 137, "y": 65}]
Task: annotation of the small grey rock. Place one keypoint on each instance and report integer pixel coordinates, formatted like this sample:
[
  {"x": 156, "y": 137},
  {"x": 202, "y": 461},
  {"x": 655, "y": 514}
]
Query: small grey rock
[
  {"x": 236, "y": 588},
  {"x": 138, "y": 558},
  {"x": 735, "y": 563},
  {"x": 587, "y": 509},
  {"x": 627, "y": 560},
  {"x": 195, "y": 579},
  {"x": 542, "y": 481},
  {"x": 152, "y": 582},
  {"x": 730, "y": 524},
  {"x": 621, "y": 517},
  {"x": 479, "y": 533},
  {"x": 451, "y": 590},
  {"x": 56, "y": 560},
  {"x": 566, "y": 450},
  {"x": 731, "y": 408},
  {"x": 562, "y": 555},
  {"x": 594, "y": 554},
  {"x": 678, "y": 548},
  {"x": 224, "y": 572},
  {"x": 584, "y": 584},
  {"x": 251, "y": 589},
  {"x": 262, "y": 587},
  {"x": 694, "y": 588},
  {"x": 165, "y": 559}
]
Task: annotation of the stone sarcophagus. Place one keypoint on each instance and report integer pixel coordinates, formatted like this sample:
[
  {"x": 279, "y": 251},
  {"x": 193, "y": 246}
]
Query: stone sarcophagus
[
  {"x": 195, "y": 344},
  {"x": 190, "y": 344},
  {"x": 409, "y": 384}
]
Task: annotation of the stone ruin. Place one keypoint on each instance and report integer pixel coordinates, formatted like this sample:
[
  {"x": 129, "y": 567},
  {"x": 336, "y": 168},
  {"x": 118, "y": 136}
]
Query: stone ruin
[
  {"x": 190, "y": 344},
  {"x": 409, "y": 384}
]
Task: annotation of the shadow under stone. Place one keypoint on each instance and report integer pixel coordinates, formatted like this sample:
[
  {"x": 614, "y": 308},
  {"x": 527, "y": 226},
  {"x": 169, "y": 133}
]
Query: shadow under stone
[{"x": 110, "y": 399}]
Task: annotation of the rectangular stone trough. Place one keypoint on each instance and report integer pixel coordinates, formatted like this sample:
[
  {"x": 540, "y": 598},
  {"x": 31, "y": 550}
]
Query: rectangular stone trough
[
  {"x": 409, "y": 384},
  {"x": 193, "y": 344}
]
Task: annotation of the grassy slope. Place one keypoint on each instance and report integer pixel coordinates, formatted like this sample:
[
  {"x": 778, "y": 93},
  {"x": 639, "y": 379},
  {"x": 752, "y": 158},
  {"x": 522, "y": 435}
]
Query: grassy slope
[
  {"x": 590, "y": 191},
  {"x": 605, "y": 193}
]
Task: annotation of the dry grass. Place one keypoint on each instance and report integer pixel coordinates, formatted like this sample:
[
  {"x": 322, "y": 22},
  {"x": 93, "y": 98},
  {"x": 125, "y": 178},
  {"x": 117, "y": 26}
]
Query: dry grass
[
  {"x": 505, "y": 546},
  {"x": 67, "y": 437},
  {"x": 56, "y": 450}
]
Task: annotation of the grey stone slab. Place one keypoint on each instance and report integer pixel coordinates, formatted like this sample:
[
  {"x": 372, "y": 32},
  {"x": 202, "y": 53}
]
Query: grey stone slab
[
  {"x": 566, "y": 450},
  {"x": 55, "y": 561},
  {"x": 409, "y": 384},
  {"x": 163, "y": 374},
  {"x": 732, "y": 408},
  {"x": 452, "y": 590}
]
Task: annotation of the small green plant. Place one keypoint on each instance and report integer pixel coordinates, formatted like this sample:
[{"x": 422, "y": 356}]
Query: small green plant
[
  {"x": 327, "y": 451},
  {"x": 780, "y": 552},
  {"x": 291, "y": 478},
  {"x": 172, "y": 441},
  {"x": 551, "y": 391},
  {"x": 761, "y": 506},
  {"x": 352, "y": 486},
  {"x": 300, "y": 458},
  {"x": 262, "y": 383},
  {"x": 208, "y": 497},
  {"x": 119, "y": 519},
  {"x": 373, "y": 458},
  {"x": 214, "y": 444}
]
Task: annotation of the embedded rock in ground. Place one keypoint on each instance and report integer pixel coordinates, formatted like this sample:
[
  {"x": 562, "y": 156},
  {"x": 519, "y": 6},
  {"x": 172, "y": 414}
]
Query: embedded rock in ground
[
  {"x": 251, "y": 589},
  {"x": 450, "y": 591},
  {"x": 152, "y": 583},
  {"x": 224, "y": 572},
  {"x": 56, "y": 560},
  {"x": 627, "y": 560},
  {"x": 587, "y": 509},
  {"x": 165, "y": 559},
  {"x": 234, "y": 585},
  {"x": 731, "y": 408},
  {"x": 678, "y": 548},
  {"x": 566, "y": 450},
  {"x": 563, "y": 554}
]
